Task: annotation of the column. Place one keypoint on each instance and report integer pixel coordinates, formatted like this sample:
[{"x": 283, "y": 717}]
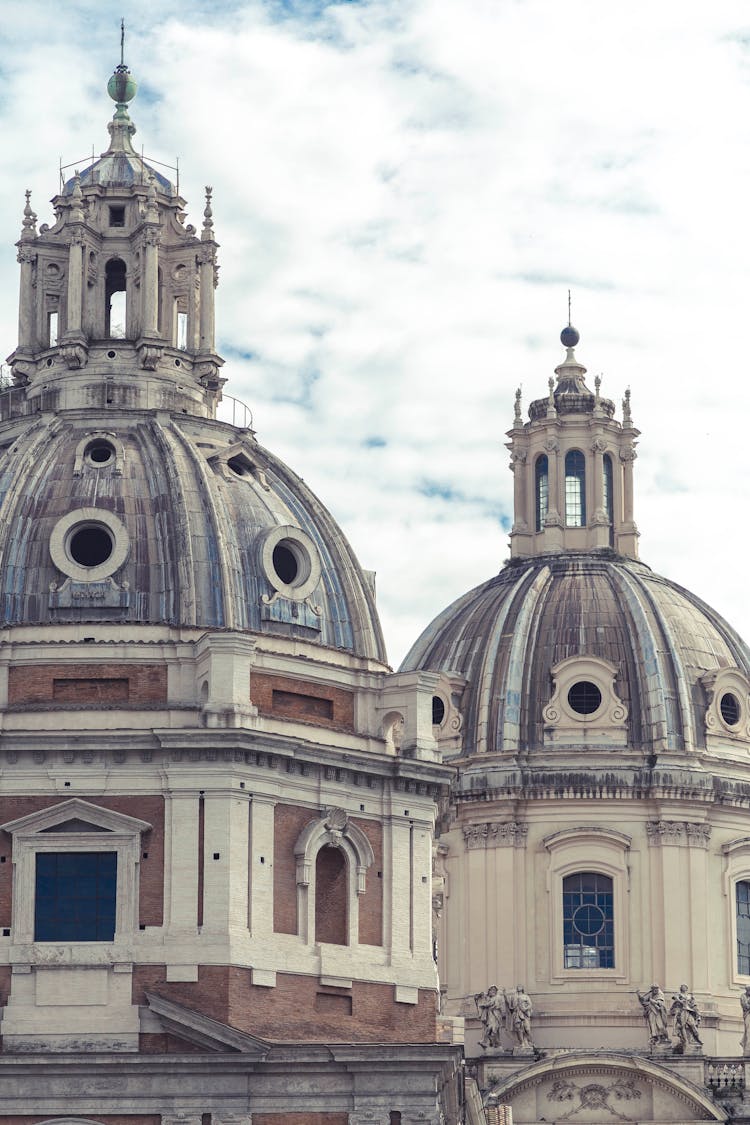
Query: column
[
  {"x": 182, "y": 862},
  {"x": 261, "y": 847},
  {"x": 627, "y": 457},
  {"x": 150, "y": 286},
  {"x": 75, "y": 285},
  {"x": 206, "y": 265},
  {"x": 26, "y": 258}
]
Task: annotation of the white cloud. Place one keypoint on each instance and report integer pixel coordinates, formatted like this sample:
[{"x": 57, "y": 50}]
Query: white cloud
[{"x": 403, "y": 193}]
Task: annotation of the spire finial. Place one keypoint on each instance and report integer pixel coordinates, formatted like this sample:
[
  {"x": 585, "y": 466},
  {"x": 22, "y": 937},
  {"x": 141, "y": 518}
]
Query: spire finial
[
  {"x": 208, "y": 216},
  {"x": 568, "y": 308},
  {"x": 517, "y": 419},
  {"x": 569, "y": 337},
  {"x": 122, "y": 44},
  {"x": 627, "y": 417}
]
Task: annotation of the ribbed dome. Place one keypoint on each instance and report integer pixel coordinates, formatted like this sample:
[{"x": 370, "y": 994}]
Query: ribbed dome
[
  {"x": 506, "y": 636},
  {"x": 185, "y": 521}
]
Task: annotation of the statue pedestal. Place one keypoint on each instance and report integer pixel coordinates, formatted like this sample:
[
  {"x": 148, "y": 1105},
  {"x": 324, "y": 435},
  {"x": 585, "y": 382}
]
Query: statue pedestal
[
  {"x": 523, "y": 1052},
  {"x": 661, "y": 1050}
]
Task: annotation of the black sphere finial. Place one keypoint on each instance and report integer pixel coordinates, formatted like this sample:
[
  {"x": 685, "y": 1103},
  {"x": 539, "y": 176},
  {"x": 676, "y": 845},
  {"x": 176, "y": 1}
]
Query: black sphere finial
[{"x": 569, "y": 336}]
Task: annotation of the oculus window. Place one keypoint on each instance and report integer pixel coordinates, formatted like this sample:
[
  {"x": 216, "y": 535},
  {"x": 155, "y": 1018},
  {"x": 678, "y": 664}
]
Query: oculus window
[
  {"x": 743, "y": 928},
  {"x": 588, "y": 921},
  {"x": 76, "y": 896}
]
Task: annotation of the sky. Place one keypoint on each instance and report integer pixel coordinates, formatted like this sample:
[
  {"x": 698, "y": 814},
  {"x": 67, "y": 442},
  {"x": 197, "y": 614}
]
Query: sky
[{"x": 404, "y": 191}]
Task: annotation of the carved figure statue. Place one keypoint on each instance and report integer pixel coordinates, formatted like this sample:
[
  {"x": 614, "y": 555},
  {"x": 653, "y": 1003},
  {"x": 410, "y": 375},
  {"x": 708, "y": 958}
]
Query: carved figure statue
[
  {"x": 521, "y": 1010},
  {"x": 491, "y": 1011},
  {"x": 655, "y": 1013},
  {"x": 686, "y": 1016},
  {"x": 745, "y": 1002}
]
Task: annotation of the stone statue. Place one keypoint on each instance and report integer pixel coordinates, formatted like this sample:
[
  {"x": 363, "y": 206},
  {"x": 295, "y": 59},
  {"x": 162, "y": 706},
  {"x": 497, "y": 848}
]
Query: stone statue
[
  {"x": 521, "y": 1010},
  {"x": 491, "y": 1010},
  {"x": 655, "y": 1014},
  {"x": 686, "y": 1016},
  {"x": 745, "y": 1002}
]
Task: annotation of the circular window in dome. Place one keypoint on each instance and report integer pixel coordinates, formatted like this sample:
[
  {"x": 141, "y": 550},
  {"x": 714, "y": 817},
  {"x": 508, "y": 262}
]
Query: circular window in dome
[
  {"x": 89, "y": 544},
  {"x": 290, "y": 561},
  {"x": 99, "y": 453},
  {"x": 584, "y": 697},
  {"x": 731, "y": 712},
  {"x": 438, "y": 710}
]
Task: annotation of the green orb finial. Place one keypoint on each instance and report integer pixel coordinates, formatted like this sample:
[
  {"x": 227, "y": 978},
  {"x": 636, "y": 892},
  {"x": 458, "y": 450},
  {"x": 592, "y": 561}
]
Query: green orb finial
[{"x": 122, "y": 87}]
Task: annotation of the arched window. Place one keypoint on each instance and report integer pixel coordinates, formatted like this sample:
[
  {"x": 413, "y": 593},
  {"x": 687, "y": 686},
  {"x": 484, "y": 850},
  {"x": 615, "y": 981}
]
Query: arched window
[
  {"x": 743, "y": 928},
  {"x": 115, "y": 296},
  {"x": 608, "y": 495},
  {"x": 575, "y": 489},
  {"x": 541, "y": 489},
  {"x": 331, "y": 896},
  {"x": 588, "y": 921}
]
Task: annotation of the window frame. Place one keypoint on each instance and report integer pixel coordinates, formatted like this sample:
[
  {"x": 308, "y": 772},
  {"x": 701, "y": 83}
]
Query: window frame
[
  {"x": 541, "y": 478},
  {"x": 110, "y": 831},
  {"x": 588, "y": 850},
  {"x": 578, "y": 475},
  {"x": 737, "y": 870}
]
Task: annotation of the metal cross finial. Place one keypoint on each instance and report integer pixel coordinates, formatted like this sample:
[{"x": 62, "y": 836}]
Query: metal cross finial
[
  {"x": 122, "y": 41},
  {"x": 568, "y": 308}
]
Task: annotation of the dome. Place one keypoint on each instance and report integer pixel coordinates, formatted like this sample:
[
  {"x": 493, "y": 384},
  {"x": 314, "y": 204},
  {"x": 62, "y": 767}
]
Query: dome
[
  {"x": 120, "y": 169},
  {"x": 192, "y": 524},
  {"x": 546, "y": 625}
]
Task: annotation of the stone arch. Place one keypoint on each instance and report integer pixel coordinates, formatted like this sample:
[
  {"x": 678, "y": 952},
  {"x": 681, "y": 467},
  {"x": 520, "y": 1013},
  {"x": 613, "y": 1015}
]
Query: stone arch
[
  {"x": 578, "y": 1086},
  {"x": 336, "y": 830}
]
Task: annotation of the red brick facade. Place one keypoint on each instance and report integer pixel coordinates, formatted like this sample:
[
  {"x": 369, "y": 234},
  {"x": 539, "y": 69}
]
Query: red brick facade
[
  {"x": 324, "y": 706},
  {"x": 290, "y": 1011},
  {"x": 300, "y": 1118},
  {"x": 130, "y": 685}
]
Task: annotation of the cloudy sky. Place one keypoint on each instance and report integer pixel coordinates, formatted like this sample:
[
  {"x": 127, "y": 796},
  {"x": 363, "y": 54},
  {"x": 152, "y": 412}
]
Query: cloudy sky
[{"x": 404, "y": 191}]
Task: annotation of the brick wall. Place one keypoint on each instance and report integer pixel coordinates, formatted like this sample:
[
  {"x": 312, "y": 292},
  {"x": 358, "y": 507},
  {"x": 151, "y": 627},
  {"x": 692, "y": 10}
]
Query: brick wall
[
  {"x": 289, "y": 820},
  {"x": 306, "y": 702},
  {"x": 331, "y": 897},
  {"x": 150, "y": 808},
  {"x": 97, "y": 684},
  {"x": 290, "y": 1012}
]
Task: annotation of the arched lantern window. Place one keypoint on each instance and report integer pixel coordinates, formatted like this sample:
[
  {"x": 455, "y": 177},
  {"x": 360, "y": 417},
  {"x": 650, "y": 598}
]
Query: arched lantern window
[
  {"x": 541, "y": 489},
  {"x": 608, "y": 494},
  {"x": 575, "y": 489},
  {"x": 115, "y": 297}
]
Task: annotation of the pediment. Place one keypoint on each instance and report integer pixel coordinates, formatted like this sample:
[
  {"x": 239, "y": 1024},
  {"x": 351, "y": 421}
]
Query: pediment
[
  {"x": 594, "y": 1088},
  {"x": 197, "y": 1028},
  {"x": 75, "y": 815},
  {"x": 238, "y": 459}
]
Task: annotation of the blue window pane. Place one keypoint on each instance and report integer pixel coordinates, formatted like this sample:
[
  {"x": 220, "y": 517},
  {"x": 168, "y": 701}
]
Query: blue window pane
[
  {"x": 743, "y": 928},
  {"x": 588, "y": 921},
  {"x": 75, "y": 896}
]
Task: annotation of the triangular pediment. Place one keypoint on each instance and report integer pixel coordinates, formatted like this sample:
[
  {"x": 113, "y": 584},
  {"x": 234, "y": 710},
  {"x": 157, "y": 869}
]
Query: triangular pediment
[
  {"x": 75, "y": 815},
  {"x": 197, "y": 1028}
]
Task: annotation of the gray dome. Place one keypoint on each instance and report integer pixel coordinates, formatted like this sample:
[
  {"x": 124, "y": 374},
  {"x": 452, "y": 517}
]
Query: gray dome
[
  {"x": 185, "y": 521},
  {"x": 120, "y": 169},
  {"x": 506, "y": 636}
]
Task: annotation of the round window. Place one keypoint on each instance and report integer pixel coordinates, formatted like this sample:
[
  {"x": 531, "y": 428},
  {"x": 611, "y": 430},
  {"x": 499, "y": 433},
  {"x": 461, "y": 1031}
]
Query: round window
[
  {"x": 90, "y": 545},
  {"x": 438, "y": 710},
  {"x": 290, "y": 561},
  {"x": 99, "y": 453},
  {"x": 729, "y": 705},
  {"x": 285, "y": 563},
  {"x": 584, "y": 698}
]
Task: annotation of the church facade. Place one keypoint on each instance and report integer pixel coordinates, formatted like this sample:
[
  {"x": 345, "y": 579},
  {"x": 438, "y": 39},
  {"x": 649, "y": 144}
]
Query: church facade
[
  {"x": 217, "y": 804},
  {"x": 251, "y": 876}
]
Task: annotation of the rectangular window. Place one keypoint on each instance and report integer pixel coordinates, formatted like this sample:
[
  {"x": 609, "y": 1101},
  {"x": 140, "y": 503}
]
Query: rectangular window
[
  {"x": 588, "y": 921},
  {"x": 52, "y": 321},
  {"x": 743, "y": 928},
  {"x": 182, "y": 330},
  {"x": 117, "y": 216},
  {"x": 76, "y": 894}
]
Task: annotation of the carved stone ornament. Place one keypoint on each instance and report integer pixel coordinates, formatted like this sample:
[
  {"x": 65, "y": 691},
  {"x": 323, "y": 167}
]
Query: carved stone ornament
[
  {"x": 628, "y": 454},
  {"x": 149, "y": 356},
  {"x": 511, "y": 834},
  {"x": 74, "y": 356},
  {"x": 598, "y": 445},
  {"x": 594, "y": 1096},
  {"x": 727, "y": 714},
  {"x": 565, "y": 724},
  {"x": 678, "y": 832},
  {"x": 26, "y": 256},
  {"x": 518, "y": 457},
  {"x": 552, "y": 445}
]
